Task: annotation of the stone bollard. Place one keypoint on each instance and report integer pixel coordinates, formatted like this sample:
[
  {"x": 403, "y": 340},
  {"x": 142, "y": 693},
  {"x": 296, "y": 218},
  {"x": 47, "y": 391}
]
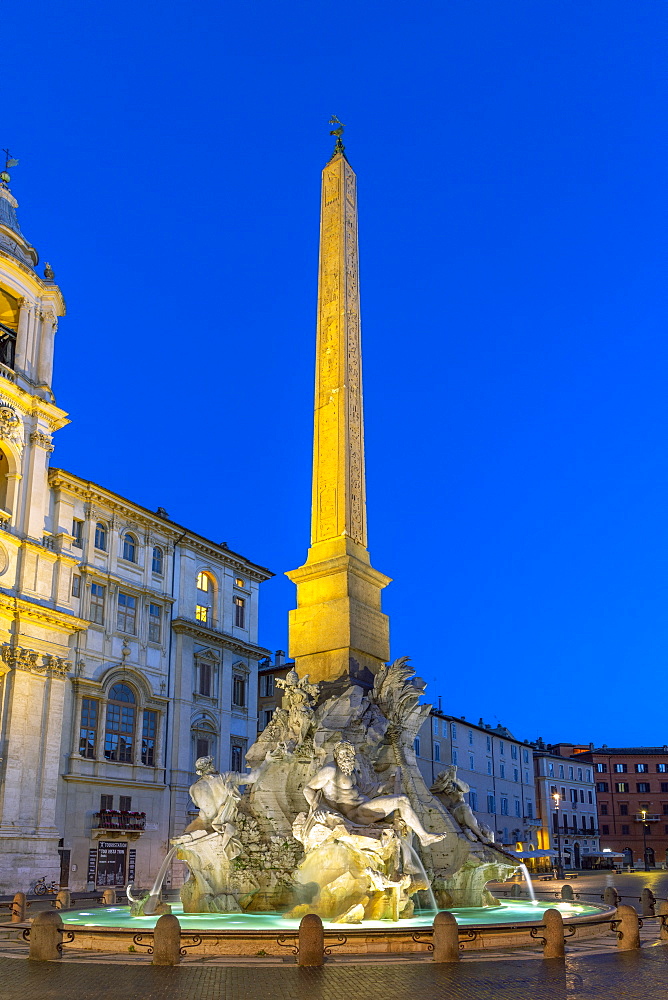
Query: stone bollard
[
  {"x": 63, "y": 900},
  {"x": 46, "y": 936},
  {"x": 19, "y": 908},
  {"x": 311, "y": 941},
  {"x": 611, "y": 897},
  {"x": 446, "y": 938},
  {"x": 648, "y": 901},
  {"x": 554, "y": 934},
  {"x": 663, "y": 922},
  {"x": 567, "y": 892},
  {"x": 628, "y": 930},
  {"x": 109, "y": 897},
  {"x": 167, "y": 941}
]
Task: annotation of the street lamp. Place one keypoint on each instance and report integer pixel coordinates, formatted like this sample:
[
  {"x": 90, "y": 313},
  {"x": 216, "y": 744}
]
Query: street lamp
[
  {"x": 560, "y": 867},
  {"x": 643, "y": 813}
]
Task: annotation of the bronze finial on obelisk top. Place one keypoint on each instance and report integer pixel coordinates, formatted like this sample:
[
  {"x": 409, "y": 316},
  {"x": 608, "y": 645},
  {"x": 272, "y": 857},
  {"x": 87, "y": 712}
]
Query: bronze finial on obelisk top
[
  {"x": 338, "y": 132},
  {"x": 338, "y": 632}
]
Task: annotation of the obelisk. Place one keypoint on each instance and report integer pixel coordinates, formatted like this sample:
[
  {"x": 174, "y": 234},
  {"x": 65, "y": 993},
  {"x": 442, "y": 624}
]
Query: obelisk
[{"x": 338, "y": 632}]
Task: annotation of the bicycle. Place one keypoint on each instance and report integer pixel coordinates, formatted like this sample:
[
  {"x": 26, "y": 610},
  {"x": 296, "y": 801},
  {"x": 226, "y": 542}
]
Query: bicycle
[{"x": 41, "y": 887}]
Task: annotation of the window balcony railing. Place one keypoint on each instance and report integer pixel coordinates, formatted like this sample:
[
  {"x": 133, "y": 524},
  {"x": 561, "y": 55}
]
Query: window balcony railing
[
  {"x": 114, "y": 819},
  {"x": 647, "y": 818}
]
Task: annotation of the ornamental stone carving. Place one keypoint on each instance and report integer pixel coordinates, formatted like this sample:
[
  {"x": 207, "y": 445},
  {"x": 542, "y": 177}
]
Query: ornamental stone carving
[
  {"x": 41, "y": 440},
  {"x": 20, "y": 658},
  {"x": 10, "y": 425}
]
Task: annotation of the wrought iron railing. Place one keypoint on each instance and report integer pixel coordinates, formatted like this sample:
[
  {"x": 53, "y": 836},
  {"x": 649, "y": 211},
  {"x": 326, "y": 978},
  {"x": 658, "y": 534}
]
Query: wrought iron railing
[{"x": 115, "y": 819}]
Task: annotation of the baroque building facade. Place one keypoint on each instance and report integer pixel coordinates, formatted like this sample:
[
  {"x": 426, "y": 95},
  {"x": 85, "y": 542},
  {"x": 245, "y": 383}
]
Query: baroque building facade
[{"x": 128, "y": 643}]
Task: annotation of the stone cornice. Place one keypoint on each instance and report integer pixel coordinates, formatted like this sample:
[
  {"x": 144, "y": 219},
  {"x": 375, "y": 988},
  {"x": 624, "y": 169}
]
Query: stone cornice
[
  {"x": 92, "y": 493},
  {"x": 24, "y": 608},
  {"x": 95, "y": 779},
  {"x": 21, "y": 658},
  {"x": 195, "y": 630}
]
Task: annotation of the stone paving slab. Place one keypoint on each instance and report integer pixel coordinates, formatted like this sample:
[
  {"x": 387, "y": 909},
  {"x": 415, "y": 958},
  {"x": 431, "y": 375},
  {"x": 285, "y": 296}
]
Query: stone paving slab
[{"x": 641, "y": 975}]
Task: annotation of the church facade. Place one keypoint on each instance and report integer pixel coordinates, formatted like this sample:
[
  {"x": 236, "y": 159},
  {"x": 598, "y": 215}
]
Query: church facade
[{"x": 128, "y": 643}]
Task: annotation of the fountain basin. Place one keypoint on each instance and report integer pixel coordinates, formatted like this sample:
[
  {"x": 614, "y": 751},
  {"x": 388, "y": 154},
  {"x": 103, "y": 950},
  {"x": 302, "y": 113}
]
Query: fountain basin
[{"x": 509, "y": 924}]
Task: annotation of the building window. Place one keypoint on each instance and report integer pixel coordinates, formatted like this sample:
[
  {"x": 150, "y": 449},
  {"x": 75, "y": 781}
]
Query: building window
[
  {"x": 203, "y": 582},
  {"x": 202, "y": 613},
  {"x": 489, "y": 744},
  {"x": 237, "y": 756},
  {"x": 470, "y": 737},
  {"x": 239, "y": 582},
  {"x": 601, "y": 786},
  {"x": 602, "y": 768},
  {"x": 129, "y": 547},
  {"x": 529, "y": 810},
  {"x": 665, "y": 808},
  {"x": 267, "y": 687},
  {"x": 471, "y": 762},
  {"x": 561, "y": 770},
  {"x": 550, "y": 769},
  {"x": 238, "y": 691},
  {"x": 473, "y": 798},
  {"x": 518, "y": 807},
  {"x": 590, "y": 797},
  {"x": 620, "y": 768},
  {"x": 525, "y": 756},
  {"x": 126, "y": 618},
  {"x": 603, "y": 806},
  {"x": 489, "y": 767},
  {"x": 97, "y": 603},
  {"x": 239, "y": 612},
  {"x": 453, "y": 730},
  {"x": 570, "y": 773},
  {"x": 125, "y": 803},
  {"x": 642, "y": 768},
  {"x": 582, "y": 795},
  {"x": 579, "y": 774},
  {"x": 642, "y": 786},
  {"x": 504, "y": 806},
  {"x": 623, "y": 809},
  {"x": 88, "y": 729},
  {"x": 516, "y": 774},
  {"x": 588, "y": 775},
  {"x": 513, "y": 752},
  {"x": 120, "y": 724},
  {"x": 622, "y": 786},
  {"x": 625, "y": 829},
  {"x": 555, "y": 822},
  {"x": 267, "y": 715},
  {"x": 661, "y": 768},
  {"x": 157, "y": 560},
  {"x": 154, "y": 623},
  {"x": 526, "y": 777},
  {"x": 101, "y": 536},
  {"x": 204, "y": 736},
  {"x": 416, "y": 746},
  {"x": 502, "y": 748},
  {"x": 491, "y": 804},
  {"x": 605, "y": 829},
  {"x": 76, "y": 586},
  {"x": 77, "y": 533},
  {"x": 149, "y": 727},
  {"x": 664, "y": 786},
  {"x": 205, "y": 679},
  {"x": 502, "y": 770},
  {"x": 455, "y": 757},
  {"x": 106, "y": 802},
  {"x": 437, "y": 751}
]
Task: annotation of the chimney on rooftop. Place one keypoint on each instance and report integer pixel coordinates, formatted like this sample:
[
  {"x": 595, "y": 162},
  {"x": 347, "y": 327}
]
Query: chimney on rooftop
[{"x": 279, "y": 658}]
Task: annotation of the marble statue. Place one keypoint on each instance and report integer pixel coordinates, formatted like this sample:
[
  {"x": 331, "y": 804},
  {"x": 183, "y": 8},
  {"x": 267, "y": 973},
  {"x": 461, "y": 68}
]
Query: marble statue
[
  {"x": 451, "y": 791},
  {"x": 334, "y": 792}
]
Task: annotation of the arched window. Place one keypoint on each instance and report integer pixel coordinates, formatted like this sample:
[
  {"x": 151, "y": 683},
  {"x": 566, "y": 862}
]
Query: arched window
[
  {"x": 157, "y": 560},
  {"x": 205, "y": 593},
  {"x": 101, "y": 536},
  {"x": 204, "y": 738},
  {"x": 129, "y": 547},
  {"x": 120, "y": 724}
]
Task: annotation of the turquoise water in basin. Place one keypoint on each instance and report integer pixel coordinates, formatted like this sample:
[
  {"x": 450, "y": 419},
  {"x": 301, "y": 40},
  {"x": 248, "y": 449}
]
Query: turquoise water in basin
[{"x": 511, "y": 912}]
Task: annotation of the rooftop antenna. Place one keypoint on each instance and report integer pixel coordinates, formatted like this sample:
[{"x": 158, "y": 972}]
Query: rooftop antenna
[{"x": 9, "y": 162}]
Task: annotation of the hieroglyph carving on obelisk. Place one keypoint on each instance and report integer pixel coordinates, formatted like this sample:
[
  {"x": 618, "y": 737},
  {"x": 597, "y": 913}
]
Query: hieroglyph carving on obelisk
[{"x": 339, "y": 503}]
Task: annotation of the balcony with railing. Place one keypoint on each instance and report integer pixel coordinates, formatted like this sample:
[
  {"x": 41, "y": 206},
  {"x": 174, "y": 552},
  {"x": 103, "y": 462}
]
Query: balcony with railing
[
  {"x": 115, "y": 822},
  {"x": 647, "y": 818}
]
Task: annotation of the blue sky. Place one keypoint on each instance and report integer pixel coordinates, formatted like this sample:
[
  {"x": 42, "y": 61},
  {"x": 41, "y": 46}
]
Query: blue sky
[{"x": 513, "y": 293}]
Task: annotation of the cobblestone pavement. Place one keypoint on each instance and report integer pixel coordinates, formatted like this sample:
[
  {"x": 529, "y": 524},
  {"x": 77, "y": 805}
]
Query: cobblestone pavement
[{"x": 641, "y": 975}]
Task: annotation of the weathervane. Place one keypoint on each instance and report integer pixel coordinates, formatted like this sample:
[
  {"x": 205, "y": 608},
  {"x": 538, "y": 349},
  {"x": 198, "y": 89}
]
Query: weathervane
[
  {"x": 338, "y": 132},
  {"x": 9, "y": 162}
]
